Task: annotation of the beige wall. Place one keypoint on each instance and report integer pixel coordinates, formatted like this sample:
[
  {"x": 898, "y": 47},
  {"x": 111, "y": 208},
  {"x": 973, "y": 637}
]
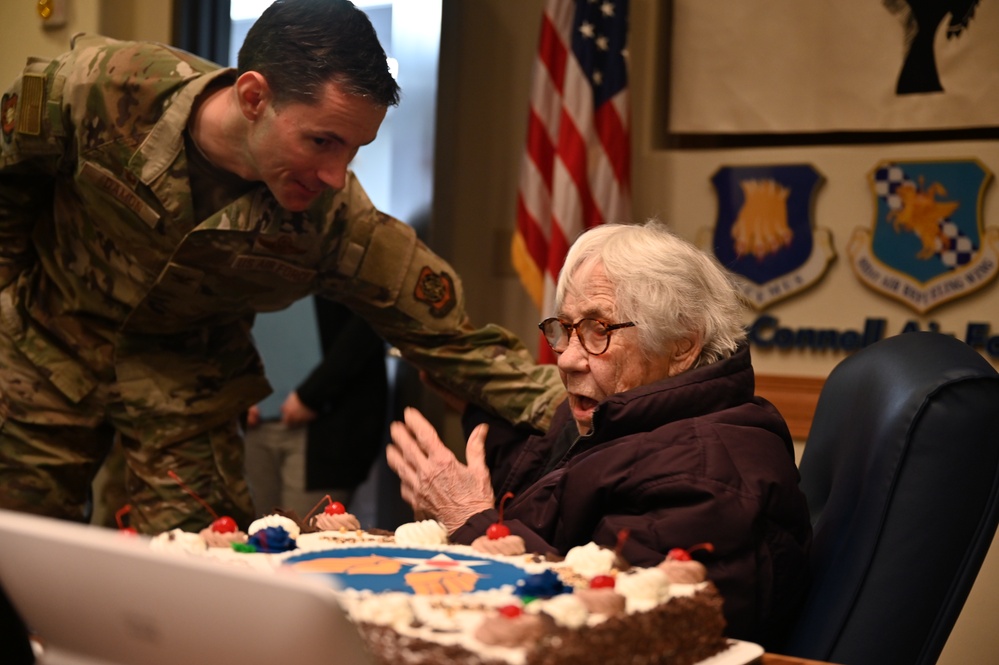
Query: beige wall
[
  {"x": 487, "y": 52},
  {"x": 22, "y": 33}
]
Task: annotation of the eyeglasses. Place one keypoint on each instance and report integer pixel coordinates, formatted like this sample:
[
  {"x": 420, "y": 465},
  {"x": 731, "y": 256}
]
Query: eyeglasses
[{"x": 593, "y": 334}]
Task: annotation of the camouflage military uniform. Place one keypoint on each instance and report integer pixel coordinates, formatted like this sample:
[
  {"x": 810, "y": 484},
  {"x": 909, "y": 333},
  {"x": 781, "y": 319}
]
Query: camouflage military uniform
[{"x": 119, "y": 311}]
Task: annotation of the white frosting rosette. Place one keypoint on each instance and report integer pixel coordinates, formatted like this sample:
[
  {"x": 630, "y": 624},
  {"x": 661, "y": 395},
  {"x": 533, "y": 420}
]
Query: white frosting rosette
[
  {"x": 566, "y": 609},
  {"x": 275, "y": 520},
  {"x": 642, "y": 588},
  {"x": 425, "y": 533},
  {"x": 590, "y": 560},
  {"x": 177, "y": 540}
]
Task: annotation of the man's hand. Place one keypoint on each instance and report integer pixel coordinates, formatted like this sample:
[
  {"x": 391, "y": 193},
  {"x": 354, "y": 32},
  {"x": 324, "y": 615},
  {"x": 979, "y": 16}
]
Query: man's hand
[
  {"x": 253, "y": 416},
  {"x": 434, "y": 482},
  {"x": 294, "y": 413}
]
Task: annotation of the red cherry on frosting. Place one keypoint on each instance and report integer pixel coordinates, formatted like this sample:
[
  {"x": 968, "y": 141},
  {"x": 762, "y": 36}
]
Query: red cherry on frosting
[
  {"x": 499, "y": 530},
  {"x": 678, "y": 554},
  {"x": 331, "y": 508},
  {"x": 224, "y": 524},
  {"x": 119, "y": 517},
  {"x": 510, "y": 611},
  {"x": 602, "y": 582}
]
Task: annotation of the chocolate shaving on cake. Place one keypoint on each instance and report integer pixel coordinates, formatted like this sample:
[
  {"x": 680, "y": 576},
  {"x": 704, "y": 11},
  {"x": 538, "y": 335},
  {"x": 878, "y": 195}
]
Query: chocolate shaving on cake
[{"x": 293, "y": 516}]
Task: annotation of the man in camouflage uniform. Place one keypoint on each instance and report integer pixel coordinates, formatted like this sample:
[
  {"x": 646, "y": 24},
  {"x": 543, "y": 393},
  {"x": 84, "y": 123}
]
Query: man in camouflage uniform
[{"x": 150, "y": 203}]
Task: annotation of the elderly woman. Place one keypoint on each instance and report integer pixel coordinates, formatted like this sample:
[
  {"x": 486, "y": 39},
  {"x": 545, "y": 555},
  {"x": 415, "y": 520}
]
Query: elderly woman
[{"x": 661, "y": 434}]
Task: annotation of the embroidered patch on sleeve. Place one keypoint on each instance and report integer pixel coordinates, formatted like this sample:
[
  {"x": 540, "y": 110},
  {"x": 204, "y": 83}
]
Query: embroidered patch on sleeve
[
  {"x": 437, "y": 290},
  {"x": 106, "y": 181},
  {"x": 8, "y": 112}
]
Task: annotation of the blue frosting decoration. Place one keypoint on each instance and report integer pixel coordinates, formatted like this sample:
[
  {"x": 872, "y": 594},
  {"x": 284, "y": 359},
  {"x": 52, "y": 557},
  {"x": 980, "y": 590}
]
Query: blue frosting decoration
[
  {"x": 272, "y": 539},
  {"x": 541, "y": 585}
]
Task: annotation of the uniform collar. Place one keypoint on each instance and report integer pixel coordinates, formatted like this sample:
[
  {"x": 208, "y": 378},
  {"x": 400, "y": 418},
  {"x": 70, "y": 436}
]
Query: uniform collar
[{"x": 163, "y": 144}]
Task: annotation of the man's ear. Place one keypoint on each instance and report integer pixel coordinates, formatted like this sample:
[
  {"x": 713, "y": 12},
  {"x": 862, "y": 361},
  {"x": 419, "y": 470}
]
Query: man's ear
[
  {"x": 253, "y": 94},
  {"x": 685, "y": 353}
]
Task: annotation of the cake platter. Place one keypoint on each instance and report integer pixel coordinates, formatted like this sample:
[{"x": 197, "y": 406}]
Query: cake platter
[{"x": 738, "y": 653}]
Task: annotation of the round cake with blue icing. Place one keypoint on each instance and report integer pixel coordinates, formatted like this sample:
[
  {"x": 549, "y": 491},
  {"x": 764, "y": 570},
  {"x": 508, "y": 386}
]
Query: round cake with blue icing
[{"x": 418, "y": 600}]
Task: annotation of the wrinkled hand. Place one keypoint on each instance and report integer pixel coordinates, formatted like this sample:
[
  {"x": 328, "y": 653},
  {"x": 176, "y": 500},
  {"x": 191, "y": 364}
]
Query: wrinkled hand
[
  {"x": 434, "y": 482},
  {"x": 253, "y": 416},
  {"x": 294, "y": 413}
]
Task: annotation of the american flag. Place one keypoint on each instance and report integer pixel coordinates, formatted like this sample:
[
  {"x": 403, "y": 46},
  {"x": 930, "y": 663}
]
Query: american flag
[{"x": 576, "y": 167}]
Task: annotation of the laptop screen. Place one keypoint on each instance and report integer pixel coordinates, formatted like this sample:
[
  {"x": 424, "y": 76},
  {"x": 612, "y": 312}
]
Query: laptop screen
[{"x": 95, "y": 596}]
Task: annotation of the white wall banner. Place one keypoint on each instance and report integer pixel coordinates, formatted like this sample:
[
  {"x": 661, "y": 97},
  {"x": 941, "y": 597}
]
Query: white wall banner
[{"x": 760, "y": 66}]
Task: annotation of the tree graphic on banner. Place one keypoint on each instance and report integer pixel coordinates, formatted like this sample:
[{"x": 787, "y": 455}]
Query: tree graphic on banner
[{"x": 921, "y": 19}]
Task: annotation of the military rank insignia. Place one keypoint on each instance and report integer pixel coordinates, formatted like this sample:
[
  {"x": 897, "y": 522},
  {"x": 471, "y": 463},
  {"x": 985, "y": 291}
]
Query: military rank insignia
[
  {"x": 928, "y": 244},
  {"x": 29, "y": 116},
  {"x": 765, "y": 232}
]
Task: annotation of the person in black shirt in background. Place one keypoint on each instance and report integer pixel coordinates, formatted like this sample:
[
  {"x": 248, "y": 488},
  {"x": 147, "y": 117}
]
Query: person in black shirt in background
[{"x": 331, "y": 427}]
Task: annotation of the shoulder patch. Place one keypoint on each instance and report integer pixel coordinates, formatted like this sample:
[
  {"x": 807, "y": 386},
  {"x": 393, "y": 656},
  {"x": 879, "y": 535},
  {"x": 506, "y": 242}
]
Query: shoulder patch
[
  {"x": 29, "y": 117},
  {"x": 8, "y": 113},
  {"x": 436, "y": 290}
]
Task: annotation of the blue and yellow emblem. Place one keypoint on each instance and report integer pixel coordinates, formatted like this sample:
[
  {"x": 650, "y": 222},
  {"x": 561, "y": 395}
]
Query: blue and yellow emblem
[
  {"x": 412, "y": 570},
  {"x": 928, "y": 244},
  {"x": 765, "y": 232}
]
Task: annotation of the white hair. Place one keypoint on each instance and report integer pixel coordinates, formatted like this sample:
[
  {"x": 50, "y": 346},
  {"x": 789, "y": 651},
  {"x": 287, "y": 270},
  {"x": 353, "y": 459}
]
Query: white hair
[{"x": 665, "y": 284}]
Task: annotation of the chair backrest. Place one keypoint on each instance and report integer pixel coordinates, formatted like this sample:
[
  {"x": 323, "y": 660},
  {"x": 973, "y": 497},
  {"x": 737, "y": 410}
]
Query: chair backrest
[{"x": 901, "y": 472}]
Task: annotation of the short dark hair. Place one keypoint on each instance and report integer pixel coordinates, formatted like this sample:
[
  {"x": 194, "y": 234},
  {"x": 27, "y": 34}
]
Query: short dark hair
[{"x": 301, "y": 45}]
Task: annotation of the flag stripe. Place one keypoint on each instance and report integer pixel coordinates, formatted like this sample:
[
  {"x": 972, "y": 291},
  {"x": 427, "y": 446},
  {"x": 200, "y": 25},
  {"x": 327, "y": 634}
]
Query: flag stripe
[
  {"x": 573, "y": 153},
  {"x": 540, "y": 149},
  {"x": 528, "y": 268},
  {"x": 553, "y": 53},
  {"x": 576, "y": 170},
  {"x": 559, "y": 248},
  {"x": 535, "y": 200},
  {"x": 614, "y": 137},
  {"x": 534, "y": 241}
]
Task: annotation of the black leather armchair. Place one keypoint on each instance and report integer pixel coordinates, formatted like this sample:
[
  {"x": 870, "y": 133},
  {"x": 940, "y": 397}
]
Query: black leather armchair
[{"x": 901, "y": 471}]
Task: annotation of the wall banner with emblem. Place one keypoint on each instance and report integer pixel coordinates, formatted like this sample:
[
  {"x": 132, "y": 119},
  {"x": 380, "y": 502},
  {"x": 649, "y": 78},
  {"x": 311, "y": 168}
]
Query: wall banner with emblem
[
  {"x": 928, "y": 243},
  {"x": 765, "y": 232}
]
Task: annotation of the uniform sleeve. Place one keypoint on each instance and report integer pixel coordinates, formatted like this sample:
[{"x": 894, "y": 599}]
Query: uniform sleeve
[
  {"x": 29, "y": 153},
  {"x": 415, "y": 301},
  {"x": 19, "y": 194},
  {"x": 490, "y": 367}
]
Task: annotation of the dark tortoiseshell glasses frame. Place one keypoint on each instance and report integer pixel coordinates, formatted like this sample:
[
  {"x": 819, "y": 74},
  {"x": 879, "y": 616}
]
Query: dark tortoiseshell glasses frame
[{"x": 593, "y": 334}]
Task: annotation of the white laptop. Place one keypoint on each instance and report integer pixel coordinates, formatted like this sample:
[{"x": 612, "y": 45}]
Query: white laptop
[{"x": 96, "y": 596}]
